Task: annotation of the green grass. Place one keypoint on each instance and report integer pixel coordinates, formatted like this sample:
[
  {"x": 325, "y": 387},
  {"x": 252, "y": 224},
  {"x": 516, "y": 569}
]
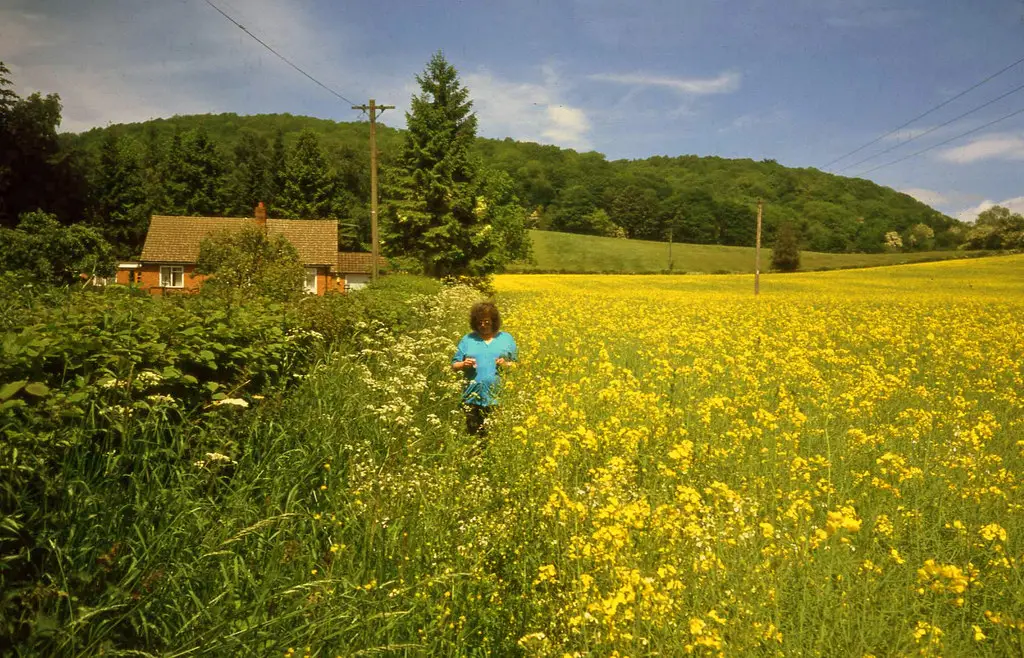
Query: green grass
[{"x": 567, "y": 252}]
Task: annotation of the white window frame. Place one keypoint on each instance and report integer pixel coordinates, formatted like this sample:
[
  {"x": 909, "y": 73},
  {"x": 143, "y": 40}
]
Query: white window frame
[
  {"x": 311, "y": 288},
  {"x": 170, "y": 273}
]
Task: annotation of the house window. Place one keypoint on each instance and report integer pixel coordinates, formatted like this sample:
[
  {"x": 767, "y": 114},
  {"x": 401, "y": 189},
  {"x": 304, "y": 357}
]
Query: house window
[
  {"x": 310, "y": 284},
  {"x": 172, "y": 276},
  {"x": 356, "y": 281}
]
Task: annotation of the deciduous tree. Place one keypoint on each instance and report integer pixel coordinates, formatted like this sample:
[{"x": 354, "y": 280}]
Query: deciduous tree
[
  {"x": 786, "y": 250},
  {"x": 247, "y": 262},
  {"x": 44, "y": 250}
]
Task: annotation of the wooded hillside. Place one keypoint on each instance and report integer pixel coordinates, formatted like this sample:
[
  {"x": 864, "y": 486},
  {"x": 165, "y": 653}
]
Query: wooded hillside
[{"x": 704, "y": 200}]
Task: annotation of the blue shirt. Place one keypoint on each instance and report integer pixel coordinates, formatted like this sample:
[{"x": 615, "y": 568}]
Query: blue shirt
[{"x": 482, "y": 381}]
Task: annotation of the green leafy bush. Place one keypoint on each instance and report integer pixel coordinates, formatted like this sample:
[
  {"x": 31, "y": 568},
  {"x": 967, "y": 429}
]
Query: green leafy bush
[
  {"x": 114, "y": 373},
  {"x": 44, "y": 251},
  {"x": 390, "y": 301},
  {"x": 248, "y": 262}
]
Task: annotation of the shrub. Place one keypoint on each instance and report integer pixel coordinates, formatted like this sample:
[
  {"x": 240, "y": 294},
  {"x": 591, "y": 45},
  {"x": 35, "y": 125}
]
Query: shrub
[
  {"x": 786, "y": 250},
  {"x": 389, "y": 301},
  {"x": 248, "y": 262},
  {"x": 102, "y": 381},
  {"x": 44, "y": 251}
]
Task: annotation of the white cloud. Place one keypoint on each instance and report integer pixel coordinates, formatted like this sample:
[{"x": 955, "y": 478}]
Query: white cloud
[
  {"x": 722, "y": 84},
  {"x": 994, "y": 146},
  {"x": 530, "y": 111},
  {"x": 931, "y": 197},
  {"x": 1015, "y": 204},
  {"x": 567, "y": 125},
  {"x": 113, "y": 62}
]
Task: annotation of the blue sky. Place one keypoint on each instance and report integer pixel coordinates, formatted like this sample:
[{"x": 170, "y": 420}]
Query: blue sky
[{"x": 799, "y": 81}]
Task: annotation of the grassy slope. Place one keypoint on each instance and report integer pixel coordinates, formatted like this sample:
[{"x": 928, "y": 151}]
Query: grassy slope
[{"x": 567, "y": 252}]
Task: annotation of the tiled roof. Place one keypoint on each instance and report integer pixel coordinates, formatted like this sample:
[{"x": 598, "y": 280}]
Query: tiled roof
[
  {"x": 315, "y": 239},
  {"x": 358, "y": 262},
  {"x": 176, "y": 239}
]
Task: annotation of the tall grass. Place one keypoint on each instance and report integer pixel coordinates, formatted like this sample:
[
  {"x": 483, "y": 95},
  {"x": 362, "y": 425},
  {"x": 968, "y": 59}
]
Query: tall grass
[
  {"x": 674, "y": 471},
  {"x": 568, "y": 252}
]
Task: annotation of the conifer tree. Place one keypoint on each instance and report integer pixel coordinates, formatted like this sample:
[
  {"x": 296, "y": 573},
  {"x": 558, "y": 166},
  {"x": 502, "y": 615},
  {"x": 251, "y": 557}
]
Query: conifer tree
[
  {"x": 121, "y": 209},
  {"x": 786, "y": 250},
  {"x": 249, "y": 180},
  {"x": 276, "y": 169},
  {"x": 193, "y": 172},
  {"x": 308, "y": 182},
  {"x": 435, "y": 221}
]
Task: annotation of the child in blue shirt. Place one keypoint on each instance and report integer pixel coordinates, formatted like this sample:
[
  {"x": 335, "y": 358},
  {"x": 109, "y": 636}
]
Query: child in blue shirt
[{"x": 480, "y": 356}]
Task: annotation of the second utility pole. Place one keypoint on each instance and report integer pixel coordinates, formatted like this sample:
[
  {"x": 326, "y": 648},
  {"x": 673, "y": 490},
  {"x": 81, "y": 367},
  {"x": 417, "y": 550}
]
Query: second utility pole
[
  {"x": 372, "y": 109},
  {"x": 757, "y": 253}
]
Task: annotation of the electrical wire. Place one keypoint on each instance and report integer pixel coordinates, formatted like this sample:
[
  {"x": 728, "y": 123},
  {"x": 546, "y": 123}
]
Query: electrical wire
[
  {"x": 964, "y": 134},
  {"x": 279, "y": 55},
  {"x": 923, "y": 114},
  {"x": 930, "y": 130}
]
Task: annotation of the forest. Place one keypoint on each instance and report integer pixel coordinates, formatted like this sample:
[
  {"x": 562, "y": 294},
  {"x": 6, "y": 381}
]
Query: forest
[{"x": 116, "y": 177}]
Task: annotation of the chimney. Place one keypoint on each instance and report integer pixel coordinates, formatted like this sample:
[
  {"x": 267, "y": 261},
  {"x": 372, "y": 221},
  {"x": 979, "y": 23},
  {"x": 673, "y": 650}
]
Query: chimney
[{"x": 261, "y": 215}]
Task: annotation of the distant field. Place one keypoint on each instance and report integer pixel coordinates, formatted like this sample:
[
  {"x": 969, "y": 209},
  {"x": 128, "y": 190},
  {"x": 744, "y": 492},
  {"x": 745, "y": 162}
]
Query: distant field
[{"x": 567, "y": 252}]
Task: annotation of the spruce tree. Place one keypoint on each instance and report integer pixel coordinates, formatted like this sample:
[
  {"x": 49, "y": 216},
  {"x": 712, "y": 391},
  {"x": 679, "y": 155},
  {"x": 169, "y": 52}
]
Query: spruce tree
[
  {"x": 193, "y": 173},
  {"x": 435, "y": 220},
  {"x": 786, "y": 250},
  {"x": 121, "y": 209},
  {"x": 249, "y": 182},
  {"x": 308, "y": 182},
  {"x": 276, "y": 169}
]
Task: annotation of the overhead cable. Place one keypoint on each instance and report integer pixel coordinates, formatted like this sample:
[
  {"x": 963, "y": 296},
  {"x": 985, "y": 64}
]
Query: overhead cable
[
  {"x": 923, "y": 114},
  {"x": 951, "y": 139},
  {"x": 279, "y": 55},
  {"x": 931, "y": 130}
]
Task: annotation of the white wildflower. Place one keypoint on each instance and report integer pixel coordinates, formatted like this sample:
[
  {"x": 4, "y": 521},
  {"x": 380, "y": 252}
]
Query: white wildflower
[{"x": 235, "y": 402}]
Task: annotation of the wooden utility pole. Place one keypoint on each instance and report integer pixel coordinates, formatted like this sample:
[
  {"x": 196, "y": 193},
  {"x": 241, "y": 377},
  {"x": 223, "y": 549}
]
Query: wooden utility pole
[
  {"x": 670, "y": 249},
  {"x": 757, "y": 253},
  {"x": 372, "y": 109}
]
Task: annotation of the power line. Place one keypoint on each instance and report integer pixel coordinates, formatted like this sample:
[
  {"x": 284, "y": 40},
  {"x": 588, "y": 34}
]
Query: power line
[
  {"x": 931, "y": 130},
  {"x": 922, "y": 115},
  {"x": 279, "y": 55},
  {"x": 964, "y": 134}
]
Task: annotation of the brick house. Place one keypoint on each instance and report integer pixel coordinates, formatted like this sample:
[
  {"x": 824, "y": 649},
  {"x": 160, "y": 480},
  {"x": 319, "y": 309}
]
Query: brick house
[{"x": 171, "y": 251}]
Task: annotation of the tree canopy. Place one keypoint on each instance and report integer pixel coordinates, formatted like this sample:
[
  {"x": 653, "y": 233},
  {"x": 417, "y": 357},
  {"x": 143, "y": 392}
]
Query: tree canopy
[
  {"x": 434, "y": 218},
  {"x": 220, "y": 164}
]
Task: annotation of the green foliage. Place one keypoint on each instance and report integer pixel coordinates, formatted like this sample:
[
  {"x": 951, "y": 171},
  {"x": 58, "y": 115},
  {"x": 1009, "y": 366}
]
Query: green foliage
[
  {"x": 391, "y": 301},
  {"x": 703, "y": 200},
  {"x": 499, "y": 207},
  {"x": 786, "y": 250},
  {"x": 250, "y": 178},
  {"x": 124, "y": 419},
  {"x": 567, "y": 252},
  {"x": 996, "y": 228},
  {"x": 920, "y": 237},
  {"x": 246, "y": 263},
  {"x": 39, "y": 169},
  {"x": 44, "y": 251},
  {"x": 194, "y": 171},
  {"x": 121, "y": 209},
  {"x": 433, "y": 218},
  {"x": 309, "y": 183},
  {"x": 107, "y": 399}
]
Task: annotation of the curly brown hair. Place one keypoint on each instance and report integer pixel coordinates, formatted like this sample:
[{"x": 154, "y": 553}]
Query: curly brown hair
[{"x": 482, "y": 310}]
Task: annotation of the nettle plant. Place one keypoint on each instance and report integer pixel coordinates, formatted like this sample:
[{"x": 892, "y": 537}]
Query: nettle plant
[{"x": 106, "y": 382}]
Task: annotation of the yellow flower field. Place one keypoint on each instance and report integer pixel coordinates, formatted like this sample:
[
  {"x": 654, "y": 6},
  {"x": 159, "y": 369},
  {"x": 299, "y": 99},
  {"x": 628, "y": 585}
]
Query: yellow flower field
[{"x": 833, "y": 468}]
